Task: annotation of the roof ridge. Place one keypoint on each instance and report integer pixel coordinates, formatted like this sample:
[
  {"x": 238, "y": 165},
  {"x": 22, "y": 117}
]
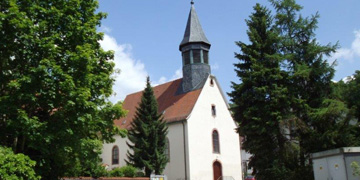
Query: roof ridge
[{"x": 154, "y": 87}]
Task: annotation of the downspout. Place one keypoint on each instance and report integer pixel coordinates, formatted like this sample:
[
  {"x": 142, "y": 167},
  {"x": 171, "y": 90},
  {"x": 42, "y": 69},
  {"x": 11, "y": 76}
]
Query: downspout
[{"x": 185, "y": 163}]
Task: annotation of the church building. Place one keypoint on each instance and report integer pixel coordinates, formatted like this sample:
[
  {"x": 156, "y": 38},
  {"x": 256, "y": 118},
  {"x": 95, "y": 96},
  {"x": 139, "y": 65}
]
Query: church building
[{"x": 202, "y": 141}]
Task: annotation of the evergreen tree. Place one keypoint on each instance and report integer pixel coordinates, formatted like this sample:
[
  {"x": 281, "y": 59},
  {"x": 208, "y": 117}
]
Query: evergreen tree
[
  {"x": 318, "y": 121},
  {"x": 352, "y": 95},
  {"x": 54, "y": 84},
  {"x": 261, "y": 99},
  {"x": 148, "y": 135}
]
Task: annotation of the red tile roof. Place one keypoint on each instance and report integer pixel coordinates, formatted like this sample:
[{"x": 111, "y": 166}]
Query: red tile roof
[{"x": 175, "y": 106}]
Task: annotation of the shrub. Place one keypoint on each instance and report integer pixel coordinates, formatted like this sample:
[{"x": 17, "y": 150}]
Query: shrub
[
  {"x": 126, "y": 171},
  {"x": 16, "y": 166},
  {"x": 116, "y": 172},
  {"x": 129, "y": 171},
  {"x": 356, "y": 168}
]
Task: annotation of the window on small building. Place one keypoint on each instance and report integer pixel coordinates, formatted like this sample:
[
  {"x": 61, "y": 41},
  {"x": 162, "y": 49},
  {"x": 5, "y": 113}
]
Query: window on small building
[
  {"x": 213, "y": 110},
  {"x": 167, "y": 149},
  {"x": 211, "y": 82},
  {"x": 196, "y": 55},
  {"x": 206, "y": 57},
  {"x": 186, "y": 57},
  {"x": 115, "y": 155},
  {"x": 215, "y": 140}
]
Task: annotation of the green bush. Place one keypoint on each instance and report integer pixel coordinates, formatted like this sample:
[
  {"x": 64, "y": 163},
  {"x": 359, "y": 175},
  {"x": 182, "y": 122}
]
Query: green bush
[
  {"x": 126, "y": 171},
  {"x": 16, "y": 166},
  {"x": 116, "y": 172},
  {"x": 356, "y": 168},
  {"x": 129, "y": 171},
  {"x": 140, "y": 174},
  {"x": 99, "y": 171}
]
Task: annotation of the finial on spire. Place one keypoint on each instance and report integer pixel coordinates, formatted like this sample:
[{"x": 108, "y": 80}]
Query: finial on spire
[{"x": 192, "y": 2}]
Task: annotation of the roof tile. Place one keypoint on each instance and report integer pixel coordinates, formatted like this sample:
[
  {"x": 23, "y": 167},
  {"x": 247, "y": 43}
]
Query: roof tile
[{"x": 175, "y": 106}]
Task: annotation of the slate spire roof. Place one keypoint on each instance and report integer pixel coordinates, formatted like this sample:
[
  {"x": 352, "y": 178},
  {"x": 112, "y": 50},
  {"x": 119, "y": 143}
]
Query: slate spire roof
[{"x": 193, "y": 31}]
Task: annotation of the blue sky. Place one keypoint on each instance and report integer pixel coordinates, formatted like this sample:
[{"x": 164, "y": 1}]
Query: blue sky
[{"x": 145, "y": 36}]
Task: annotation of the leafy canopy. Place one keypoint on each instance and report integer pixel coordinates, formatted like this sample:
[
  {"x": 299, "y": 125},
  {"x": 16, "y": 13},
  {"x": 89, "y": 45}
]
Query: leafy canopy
[
  {"x": 54, "y": 84},
  {"x": 16, "y": 166}
]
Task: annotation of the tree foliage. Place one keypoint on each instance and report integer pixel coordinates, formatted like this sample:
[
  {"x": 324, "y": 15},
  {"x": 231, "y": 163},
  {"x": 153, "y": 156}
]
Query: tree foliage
[
  {"x": 261, "y": 99},
  {"x": 147, "y": 138},
  {"x": 320, "y": 121},
  {"x": 286, "y": 104},
  {"x": 16, "y": 166},
  {"x": 125, "y": 171},
  {"x": 356, "y": 168},
  {"x": 352, "y": 95},
  {"x": 54, "y": 84}
]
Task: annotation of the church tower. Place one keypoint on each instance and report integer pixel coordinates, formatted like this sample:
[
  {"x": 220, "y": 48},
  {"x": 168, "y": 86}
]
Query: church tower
[{"x": 195, "y": 53}]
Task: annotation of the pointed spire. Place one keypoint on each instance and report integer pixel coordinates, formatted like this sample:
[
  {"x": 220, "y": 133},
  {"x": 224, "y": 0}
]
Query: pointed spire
[{"x": 193, "y": 31}]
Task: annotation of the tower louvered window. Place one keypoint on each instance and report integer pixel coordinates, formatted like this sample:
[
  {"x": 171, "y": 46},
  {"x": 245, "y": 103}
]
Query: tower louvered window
[
  {"x": 196, "y": 56},
  {"x": 206, "y": 57},
  {"x": 186, "y": 57}
]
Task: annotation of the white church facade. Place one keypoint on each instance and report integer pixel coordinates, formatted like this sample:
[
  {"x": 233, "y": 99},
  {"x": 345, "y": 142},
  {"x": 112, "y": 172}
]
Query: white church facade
[{"x": 202, "y": 141}]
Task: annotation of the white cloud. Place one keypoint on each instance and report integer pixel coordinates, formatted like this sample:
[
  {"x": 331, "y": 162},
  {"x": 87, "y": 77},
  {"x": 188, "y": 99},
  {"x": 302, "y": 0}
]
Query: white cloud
[
  {"x": 348, "y": 53},
  {"x": 132, "y": 76},
  {"x": 355, "y": 46},
  {"x": 105, "y": 29},
  {"x": 215, "y": 66},
  {"x": 178, "y": 74}
]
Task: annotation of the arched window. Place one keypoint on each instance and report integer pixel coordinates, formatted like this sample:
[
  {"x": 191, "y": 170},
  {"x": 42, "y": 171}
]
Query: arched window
[
  {"x": 167, "y": 149},
  {"x": 215, "y": 140},
  {"x": 115, "y": 155}
]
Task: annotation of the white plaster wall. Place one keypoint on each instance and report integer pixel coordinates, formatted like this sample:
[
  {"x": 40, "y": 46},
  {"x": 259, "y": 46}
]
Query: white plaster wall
[
  {"x": 175, "y": 169},
  {"x": 201, "y": 123},
  {"x": 107, "y": 152}
]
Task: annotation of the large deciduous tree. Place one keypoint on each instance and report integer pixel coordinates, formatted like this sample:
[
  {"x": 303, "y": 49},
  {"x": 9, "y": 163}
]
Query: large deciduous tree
[
  {"x": 261, "y": 99},
  {"x": 147, "y": 137},
  {"x": 54, "y": 84}
]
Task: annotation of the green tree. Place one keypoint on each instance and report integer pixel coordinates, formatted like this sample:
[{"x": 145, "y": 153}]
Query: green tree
[
  {"x": 356, "y": 168},
  {"x": 318, "y": 119},
  {"x": 352, "y": 95},
  {"x": 16, "y": 166},
  {"x": 148, "y": 135},
  {"x": 349, "y": 92},
  {"x": 54, "y": 84},
  {"x": 261, "y": 99}
]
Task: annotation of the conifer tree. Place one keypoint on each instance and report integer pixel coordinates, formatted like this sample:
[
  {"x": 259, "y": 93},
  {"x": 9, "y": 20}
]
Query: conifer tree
[
  {"x": 148, "y": 135},
  {"x": 261, "y": 99},
  {"x": 318, "y": 121}
]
